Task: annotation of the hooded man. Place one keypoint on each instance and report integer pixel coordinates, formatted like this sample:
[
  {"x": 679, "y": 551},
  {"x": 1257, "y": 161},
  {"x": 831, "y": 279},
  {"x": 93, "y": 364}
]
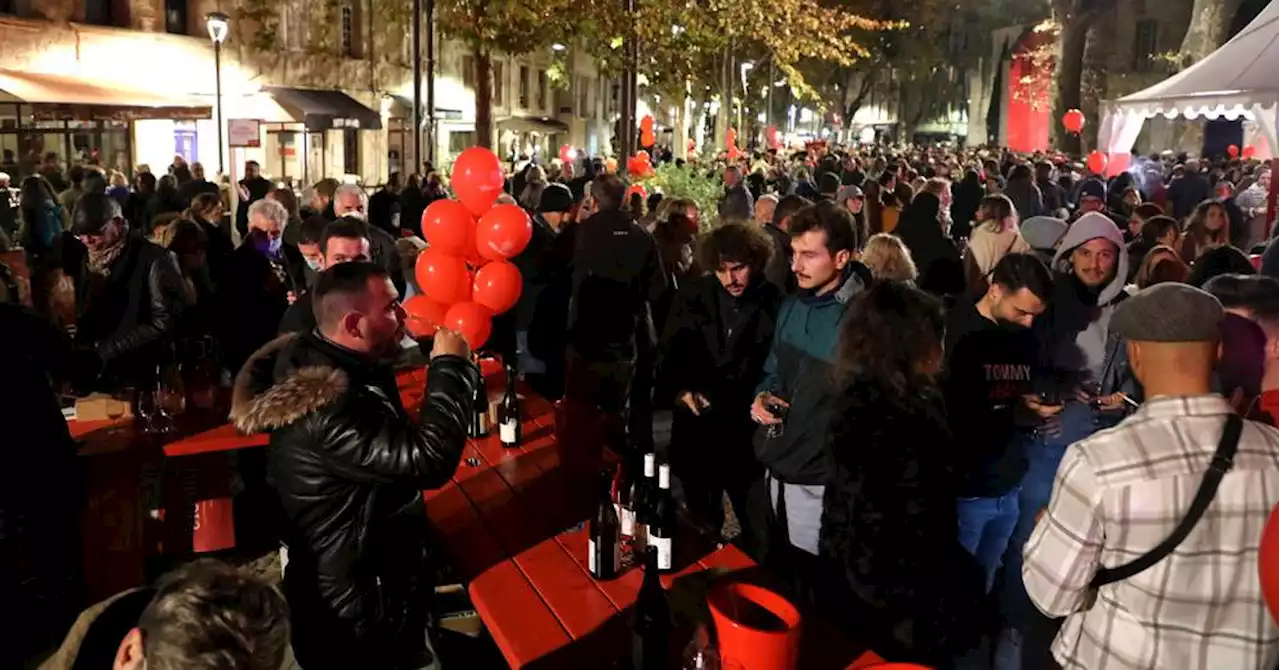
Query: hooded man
[{"x": 1083, "y": 366}]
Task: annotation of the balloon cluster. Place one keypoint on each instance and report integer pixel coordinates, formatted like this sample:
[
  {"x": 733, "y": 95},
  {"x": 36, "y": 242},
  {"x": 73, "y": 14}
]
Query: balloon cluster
[
  {"x": 647, "y": 138},
  {"x": 1073, "y": 121},
  {"x": 639, "y": 165},
  {"x": 465, "y": 274}
]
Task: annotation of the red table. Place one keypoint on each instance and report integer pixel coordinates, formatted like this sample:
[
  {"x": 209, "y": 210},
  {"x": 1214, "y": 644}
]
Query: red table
[{"x": 502, "y": 521}]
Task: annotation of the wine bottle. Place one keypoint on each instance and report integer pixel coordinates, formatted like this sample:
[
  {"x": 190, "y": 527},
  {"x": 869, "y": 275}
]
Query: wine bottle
[
  {"x": 604, "y": 558},
  {"x": 480, "y": 413},
  {"x": 651, "y": 627},
  {"x": 662, "y": 520},
  {"x": 622, "y": 486},
  {"x": 509, "y": 412},
  {"x": 641, "y": 499}
]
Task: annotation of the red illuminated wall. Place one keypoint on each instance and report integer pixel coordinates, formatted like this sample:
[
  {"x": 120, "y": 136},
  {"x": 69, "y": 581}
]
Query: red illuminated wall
[{"x": 1029, "y": 98}]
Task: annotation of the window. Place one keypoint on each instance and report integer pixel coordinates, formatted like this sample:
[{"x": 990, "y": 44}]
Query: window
[
  {"x": 542, "y": 90},
  {"x": 295, "y": 26},
  {"x": 468, "y": 66},
  {"x": 461, "y": 141},
  {"x": 499, "y": 83},
  {"x": 175, "y": 17},
  {"x": 1144, "y": 45},
  {"x": 348, "y": 44},
  {"x": 350, "y": 151},
  {"x": 524, "y": 87},
  {"x": 98, "y": 12},
  {"x": 564, "y": 97}
]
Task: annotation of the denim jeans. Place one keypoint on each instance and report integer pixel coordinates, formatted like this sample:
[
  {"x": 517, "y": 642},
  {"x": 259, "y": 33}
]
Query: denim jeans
[
  {"x": 1043, "y": 456},
  {"x": 985, "y": 527}
]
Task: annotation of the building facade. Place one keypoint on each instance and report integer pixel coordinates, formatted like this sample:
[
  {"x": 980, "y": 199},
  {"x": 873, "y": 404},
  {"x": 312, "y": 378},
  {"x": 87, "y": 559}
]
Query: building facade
[{"x": 309, "y": 89}]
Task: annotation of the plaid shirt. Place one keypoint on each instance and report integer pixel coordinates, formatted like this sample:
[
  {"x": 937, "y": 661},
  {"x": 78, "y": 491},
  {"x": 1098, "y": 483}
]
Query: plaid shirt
[{"x": 1120, "y": 493}]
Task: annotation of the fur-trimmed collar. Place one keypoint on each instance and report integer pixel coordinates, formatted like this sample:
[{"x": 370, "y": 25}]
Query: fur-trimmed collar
[{"x": 260, "y": 403}]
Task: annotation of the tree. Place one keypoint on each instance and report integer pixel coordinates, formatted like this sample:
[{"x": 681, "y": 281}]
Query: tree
[{"x": 1074, "y": 18}]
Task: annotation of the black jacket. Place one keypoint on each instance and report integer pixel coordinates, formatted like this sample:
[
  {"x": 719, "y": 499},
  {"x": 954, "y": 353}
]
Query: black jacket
[
  {"x": 895, "y": 573},
  {"x": 258, "y": 188},
  {"x": 350, "y": 464},
  {"x": 252, "y": 298},
  {"x": 616, "y": 275},
  {"x": 778, "y": 271},
  {"x": 716, "y": 345},
  {"x": 941, "y": 271},
  {"x": 188, "y": 191},
  {"x": 129, "y": 316},
  {"x": 300, "y": 317},
  {"x": 412, "y": 204},
  {"x": 384, "y": 211}
]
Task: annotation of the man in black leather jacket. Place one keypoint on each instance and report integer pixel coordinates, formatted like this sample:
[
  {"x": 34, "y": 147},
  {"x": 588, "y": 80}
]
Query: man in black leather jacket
[
  {"x": 350, "y": 465},
  {"x": 129, "y": 295}
]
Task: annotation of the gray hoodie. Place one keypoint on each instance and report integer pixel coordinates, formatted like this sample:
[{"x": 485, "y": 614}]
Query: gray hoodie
[{"x": 1090, "y": 350}]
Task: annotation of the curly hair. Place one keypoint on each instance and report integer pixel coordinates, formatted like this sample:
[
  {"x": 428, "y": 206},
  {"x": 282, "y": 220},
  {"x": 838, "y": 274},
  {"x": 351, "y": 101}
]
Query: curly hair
[
  {"x": 892, "y": 336},
  {"x": 735, "y": 243},
  {"x": 888, "y": 258}
]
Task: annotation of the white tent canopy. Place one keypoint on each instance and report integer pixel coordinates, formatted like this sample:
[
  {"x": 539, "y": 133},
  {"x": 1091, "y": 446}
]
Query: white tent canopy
[{"x": 1238, "y": 80}]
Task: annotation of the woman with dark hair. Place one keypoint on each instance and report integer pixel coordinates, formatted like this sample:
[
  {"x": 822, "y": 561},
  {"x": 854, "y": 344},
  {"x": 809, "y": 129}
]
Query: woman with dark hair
[
  {"x": 1219, "y": 261},
  {"x": 966, "y": 195},
  {"x": 164, "y": 201},
  {"x": 1208, "y": 227},
  {"x": 1023, "y": 193},
  {"x": 41, "y": 219},
  {"x": 895, "y": 573},
  {"x": 936, "y": 257},
  {"x": 713, "y": 353}
]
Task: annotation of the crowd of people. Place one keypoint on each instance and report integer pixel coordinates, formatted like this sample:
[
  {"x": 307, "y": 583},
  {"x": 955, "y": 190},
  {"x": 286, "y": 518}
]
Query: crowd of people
[{"x": 945, "y": 393}]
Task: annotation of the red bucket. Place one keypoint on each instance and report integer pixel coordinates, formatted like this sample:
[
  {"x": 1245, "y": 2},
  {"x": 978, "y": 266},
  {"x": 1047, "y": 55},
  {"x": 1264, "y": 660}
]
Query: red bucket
[
  {"x": 215, "y": 527},
  {"x": 756, "y": 628}
]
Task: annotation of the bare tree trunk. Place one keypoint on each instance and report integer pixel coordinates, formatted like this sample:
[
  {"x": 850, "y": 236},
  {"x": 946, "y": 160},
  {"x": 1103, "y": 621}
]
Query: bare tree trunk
[
  {"x": 1070, "y": 75},
  {"x": 484, "y": 98},
  {"x": 1210, "y": 21}
]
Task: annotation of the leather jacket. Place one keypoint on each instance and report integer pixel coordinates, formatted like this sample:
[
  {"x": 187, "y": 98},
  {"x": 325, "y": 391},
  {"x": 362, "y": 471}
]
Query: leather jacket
[
  {"x": 349, "y": 466},
  {"x": 130, "y": 315}
]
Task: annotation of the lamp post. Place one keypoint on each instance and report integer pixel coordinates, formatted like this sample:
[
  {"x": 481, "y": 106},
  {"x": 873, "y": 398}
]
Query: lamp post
[{"x": 218, "y": 25}]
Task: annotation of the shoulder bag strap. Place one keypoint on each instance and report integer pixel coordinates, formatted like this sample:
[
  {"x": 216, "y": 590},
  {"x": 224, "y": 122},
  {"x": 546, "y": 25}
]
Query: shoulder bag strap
[{"x": 1221, "y": 463}]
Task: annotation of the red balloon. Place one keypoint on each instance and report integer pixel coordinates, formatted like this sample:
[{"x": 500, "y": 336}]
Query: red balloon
[
  {"x": 448, "y": 226},
  {"x": 1233, "y": 151},
  {"x": 1249, "y": 151},
  {"x": 471, "y": 320},
  {"x": 423, "y": 315},
  {"x": 1269, "y": 563},
  {"x": 477, "y": 179},
  {"x": 566, "y": 153},
  {"x": 637, "y": 188},
  {"x": 731, "y": 138},
  {"x": 646, "y": 123},
  {"x": 497, "y": 286},
  {"x": 504, "y": 232},
  {"x": 647, "y": 139},
  {"x": 442, "y": 277},
  {"x": 1097, "y": 162},
  {"x": 643, "y": 156},
  {"x": 1073, "y": 121}
]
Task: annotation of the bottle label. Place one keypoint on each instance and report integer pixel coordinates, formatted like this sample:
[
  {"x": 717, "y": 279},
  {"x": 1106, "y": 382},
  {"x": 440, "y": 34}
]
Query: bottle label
[
  {"x": 593, "y": 563},
  {"x": 663, "y": 546},
  {"x": 626, "y": 520},
  {"x": 507, "y": 431},
  {"x": 591, "y": 557}
]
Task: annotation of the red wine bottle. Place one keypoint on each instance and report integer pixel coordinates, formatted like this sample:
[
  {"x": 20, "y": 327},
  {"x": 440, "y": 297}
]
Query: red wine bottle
[
  {"x": 651, "y": 625},
  {"x": 641, "y": 500},
  {"x": 509, "y": 413},
  {"x": 621, "y": 492},
  {"x": 662, "y": 521},
  {"x": 604, "y": 558}
]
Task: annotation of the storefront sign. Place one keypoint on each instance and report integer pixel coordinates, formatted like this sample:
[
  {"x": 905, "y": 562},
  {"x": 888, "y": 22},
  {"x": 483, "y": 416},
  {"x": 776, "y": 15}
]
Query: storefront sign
[
  {"x": 121, "y": 113},
  {"x": 243, "y": 133},
  {"x": 341, "y": 122}
]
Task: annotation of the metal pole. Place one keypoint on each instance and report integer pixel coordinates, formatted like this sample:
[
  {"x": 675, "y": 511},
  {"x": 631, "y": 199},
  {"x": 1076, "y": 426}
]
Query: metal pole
[
  {"x": 417, "y": 84},
  {"x": 627, "y": 120},
  {"x": 431, "y": 81},
  {"x": 768, "y": 105},
  {"x": 217, "y": 88}
]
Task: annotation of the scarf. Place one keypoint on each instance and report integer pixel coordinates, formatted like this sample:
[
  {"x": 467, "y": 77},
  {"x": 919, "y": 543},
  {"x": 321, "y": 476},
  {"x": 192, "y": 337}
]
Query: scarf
[{"x": 100, "y": 261}]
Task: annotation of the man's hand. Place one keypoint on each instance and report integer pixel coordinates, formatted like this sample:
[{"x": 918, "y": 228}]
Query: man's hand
[
  {"x": 760, "y": 409},
  {"x": 291, "y": 297},
  {"x": 694, "y": 402},
  {"x": 1111, "y": 403},
  {"x": 1039, "y": 407},
  {"x": 449, "y": 343}
]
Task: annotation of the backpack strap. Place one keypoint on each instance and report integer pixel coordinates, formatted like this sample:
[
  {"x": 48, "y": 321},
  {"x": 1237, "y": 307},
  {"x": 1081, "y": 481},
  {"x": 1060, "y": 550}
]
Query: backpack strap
[{"x": 1222, "y": 459}]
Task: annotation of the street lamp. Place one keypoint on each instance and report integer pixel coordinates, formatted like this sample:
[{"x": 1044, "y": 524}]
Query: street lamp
[{"x": 218, "y": 24}]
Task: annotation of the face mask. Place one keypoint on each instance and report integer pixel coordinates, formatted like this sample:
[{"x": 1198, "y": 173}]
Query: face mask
[
  {"x": 265, "y": 244},
  {"x": 313, "y": 263}
]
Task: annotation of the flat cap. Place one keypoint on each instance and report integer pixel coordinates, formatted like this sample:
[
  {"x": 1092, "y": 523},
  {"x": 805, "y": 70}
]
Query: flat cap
[
  {"x": 849, "y": 192},
  {"x": 1169, "y": 312}
]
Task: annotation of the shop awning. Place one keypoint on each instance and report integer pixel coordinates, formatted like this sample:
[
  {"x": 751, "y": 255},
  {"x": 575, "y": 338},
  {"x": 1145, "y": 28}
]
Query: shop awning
[
  {"x": 533, "y": 124},
  {"x": 59, "y": 97},
  {"x": 402, "y": 108},
  {"x": 322, "y": 110}
]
